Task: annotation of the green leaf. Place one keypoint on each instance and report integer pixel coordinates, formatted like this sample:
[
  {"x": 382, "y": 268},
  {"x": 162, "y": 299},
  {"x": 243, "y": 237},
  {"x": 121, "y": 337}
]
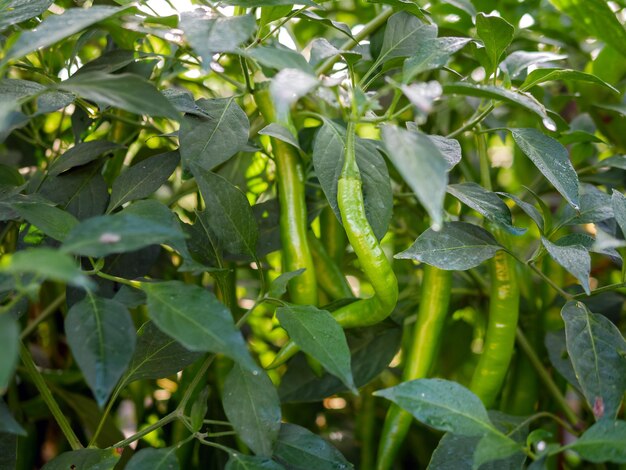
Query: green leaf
[
  {"x": 538, "y": 76},
  {"x": 16, "y": 11},
  {"x": 530, "y": 210},
  {"x": 595, "y": 206},
  {"x": 252, "y": 406},
  {"x": 299, "y": 449},
  {"x": 267, "y": 3},
  {"x": 278, "y": 287},
  {"x": 287, "y": 87},
  {"x": 52, "y": 221},
  {"x": 328, "y": 157},
  {"x": 92, "y": 459},
  {"x": 457, "y": 453},
  {"x": 7, "y": 421},
  {"x": 597, "y": 350},
  {"x": 518, "y": 98},
  {"x": 618, "y": 202},
  {"x": 57, "y": 27},
  {"x": 209, "y": 142},
  {"x": 518, "y": 61},
  {"x": 101, "y": 335},
  {"x": 574, "y": 258},
  {"x": 597, "y": 19},
  {"x": 279, "y": 58},
  {"x": 432, "y": 54},
  {"x": 154, "y": 459},
  {"x": 228, "y": 213},
  {"x": 281, "y": 133},
  {"x": 209, "y": 34},
  {"x": 450, "y": 149},
  {"x": 605, "y": 441},
  {"x": 319, "y": 335},
  {"x": 552, "y": 160},
  {"x": 21, "y": 91},
  {"x": 196, "y": 319},
  {"x": 81, "y": 154},
  {"x": 125, "y": 91},
  {"x": 142, "y": 179},
  {"x": 47, "y": 263},
  {"x": 486, "y": 203},
  {"x": 422, "y": 166},
  {"x": 496, "y": 33},
  {"x": 157, "y": 355},
  {"x": 118, "y": 233},
  {"x": 457, "y": 246},
  {"x": 238, "y": 461},
  {"x": 557, "y": 352},
  {"x": 404, "y": 35},
  {"x": 10, "y": 340}
]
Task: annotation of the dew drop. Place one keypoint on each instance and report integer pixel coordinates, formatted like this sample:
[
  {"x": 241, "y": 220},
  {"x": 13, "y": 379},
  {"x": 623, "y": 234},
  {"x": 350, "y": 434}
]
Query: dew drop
[{"x": 549, "y": 124}]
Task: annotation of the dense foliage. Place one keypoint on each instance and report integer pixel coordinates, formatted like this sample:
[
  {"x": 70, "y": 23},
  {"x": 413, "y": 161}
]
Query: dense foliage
[{"x": 256, "y": 235}]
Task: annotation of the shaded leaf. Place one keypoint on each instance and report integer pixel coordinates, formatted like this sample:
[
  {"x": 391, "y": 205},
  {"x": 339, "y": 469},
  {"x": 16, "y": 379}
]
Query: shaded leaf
[
  {"x": 287, "y": 87},
  {"x": 92, "y": 459},
  {"x": 16, "y": 11},
  {"x": 281, "y": 133},
  {"x": 618, "y": 203},
  {"x": 450, "y": 149},
  {"x": 154, "y": 459},
  {"x": 52, "y": 221},
  {"x": 7, "y": 421},
  {"x": 559, "y": 358},
  {"x": 605, "y": 441},
  {"x": 278, "y": 287},
  {"x": 539, "y": 76},
  {"x": 574, "y": 258},
  {"x": 238, "y": 461},
  {"x": 279, "y": 58},
  {"x": 403, "y": 36},
  {"x": 10, "y": 340},
  {"x": 81, "y": 154}
]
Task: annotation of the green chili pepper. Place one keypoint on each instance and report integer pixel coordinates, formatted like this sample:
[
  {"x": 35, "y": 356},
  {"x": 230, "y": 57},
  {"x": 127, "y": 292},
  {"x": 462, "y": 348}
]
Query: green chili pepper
[
  {"x": 293, "y": 213},
  {"x": 419, "y": 359},
  {"x": 329, "y": 276},
  {"x": 374, "y": 262},
  {"x": 494, "y": 362}
]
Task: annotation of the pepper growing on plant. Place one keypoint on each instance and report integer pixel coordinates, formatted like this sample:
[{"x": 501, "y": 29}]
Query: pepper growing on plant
[{"x": 434, "y": 302}]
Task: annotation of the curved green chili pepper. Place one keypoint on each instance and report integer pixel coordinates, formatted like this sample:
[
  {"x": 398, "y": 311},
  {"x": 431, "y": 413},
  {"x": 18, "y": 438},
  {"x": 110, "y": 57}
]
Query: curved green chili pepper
[
  {"x": 372, "y": 258},
  {"x": 424, "y": 342},
  {"x": 293, "y": 213},
  {"x": 494, "y": 362},
  {"x": 329, "y": 276}
]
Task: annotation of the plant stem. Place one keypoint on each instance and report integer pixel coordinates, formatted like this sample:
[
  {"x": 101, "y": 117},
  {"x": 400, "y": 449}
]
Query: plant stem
[
  {"x": 106, "y": 412},
  {"x": 523, "y": 343},
  {"x": 49, "y": 310},
  {"x": 47, "y": 397},
  {"x": 160, "y": 423},
  {"x": 121, "y": 280},
  {"x": 470, "y": 124},
  {"x": 600, "y": 290},
  {"x": 200, "y": 375}
]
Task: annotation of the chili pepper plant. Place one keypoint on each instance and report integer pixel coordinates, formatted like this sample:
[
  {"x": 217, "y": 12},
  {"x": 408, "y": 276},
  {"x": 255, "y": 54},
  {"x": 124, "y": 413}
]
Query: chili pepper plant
[{"x": 253, "y": 234}]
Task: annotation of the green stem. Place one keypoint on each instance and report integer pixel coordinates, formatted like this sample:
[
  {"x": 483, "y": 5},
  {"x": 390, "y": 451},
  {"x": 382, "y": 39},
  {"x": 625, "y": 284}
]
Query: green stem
[
  {"x": 121, "y": 280},
  {"x": 153, "y": 427},
  {"x": 600, "y": 290},
  {"x": 200, "y": 375},
  {"x": 106, "y": 412},
  {"x": 47, "y": 397},
  {"x": 471, "y": 123},
  {"x": 49, "y": 310}
]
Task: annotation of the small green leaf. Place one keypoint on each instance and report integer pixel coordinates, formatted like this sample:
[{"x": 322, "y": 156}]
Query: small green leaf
[
  {"x": 278, "y": 287},
  {"x": 421, "y": 164},
  {"x": 101, "y": 336},
  {"x": 595, "y": 206},
  {"x": 199, "y": 409},
  {"x": 287, "y": 87},
  {"x": 432, "y": 54},
  {"x": 552, "y": 160},
  {"x": 299, "y": 449},
  {"x": 154, "y": 459},
  {"x": 618, "y": 202},
  {"x": 52, "y": 221},
  {"x": 279, "y": 58},
  {"x": 404, "y": 35},
  {"x": 457, "y": 246},
  {"x": 538, "y": 76},
  {"x": 209, "y": 141},
  {"x": 81, "y": 154},
  {"x": 450, "y": 149},
  {"x": 530, "y": 210},
  {"x": 7, "y": 421},
  {"x": 575, "y": 258},
  {"x": 319, "y": 335},
  {"x": 518, "y": 61},
  {"x": 16, "y": 11},
  {"x": 92, "y": 459},
  {"x": 496, "y": 33},
  {"x": 252, "y": 406},
  {"x": 124, "y": 91},
  {"x": 195, "y": 318},
  {"x": 281, "y": 133},
  {"x": 597, "y": 350},
  {"x": 238, "y": 461},
  {"x": 143, "y": 179},
  {"x": 10, "y": 340},
  {"x": 605, "y": 441}
]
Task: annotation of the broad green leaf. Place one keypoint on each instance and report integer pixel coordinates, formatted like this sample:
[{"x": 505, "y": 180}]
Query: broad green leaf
[
  {"x": 209, "y": 141},
  {"x": 486, "y": 203},
  {"x": 154, "y": 459},
  {"x": 328, "y": 157},
  {"x": 496, "y": 34},
  {"x": 209, "y": 34},
  {"x": 111, "y": 61},
  {"x": 422, "y": 165},
  {"x": 457, "y": 453},
  {"x": 21, "y": 91},
  {"x": 279, "y": 58},
  {"x": 559, "y": 358},
  {"x": 318, "y": 334},
  {"x": 450, "y": 149},
  {"x": 574, "y": 258},
  {"x": 552, "y": 160},
  {"x": 125, "y": 91},
  {"x": 299, "y": 449},
  {"x": 238, "y": 461},
  {"x": 142, "y": 179},
  {"x": 518, "y": 61},
  {"x": 596, "y": 18},
  {"x": 157, "y": 355},
  {"x": 252, "y": 406},
  {"x": 52, "y": 221},
  {"x": 605, "y": 441},
  {"x": 545, "y": 75},
  {"x": 16, "y": 11},
  {"x": 618, "y": 202},
  {"x": 118, "y": 233},
  {"x": 595, "y": 206},
  {"x": 530, "y": 210},
  {"x": 457, "y": 246},
  {"x": 518, "y": 98},
  {"x": 597, "y": 350},
  {"x": 404, "y": 35},
  {"x": 101, "y": 335},
  {"x": 497, "y": 447},
  {"x": 228, "y": 213},
  {"x": 339, "y": 26},
  {"x": 7, "y": 421},
  {"x": 281, "y": 133},
  {"x": 10, "y": 340},
  {"x": 81, "y": 154},
  {"x": 47, "y": 263},
  {"x": 278, "y": 287},
  {"x": 92, "y": 459},
  {"x": 287, "y": 87},
  {"x": 431, "y": 54},
  {"x": 195, "y": 318},
  {"x": 57, "y": 27}
]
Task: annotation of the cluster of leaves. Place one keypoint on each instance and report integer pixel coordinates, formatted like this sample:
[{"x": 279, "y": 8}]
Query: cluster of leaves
[{"x": 139, "y": 229}]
